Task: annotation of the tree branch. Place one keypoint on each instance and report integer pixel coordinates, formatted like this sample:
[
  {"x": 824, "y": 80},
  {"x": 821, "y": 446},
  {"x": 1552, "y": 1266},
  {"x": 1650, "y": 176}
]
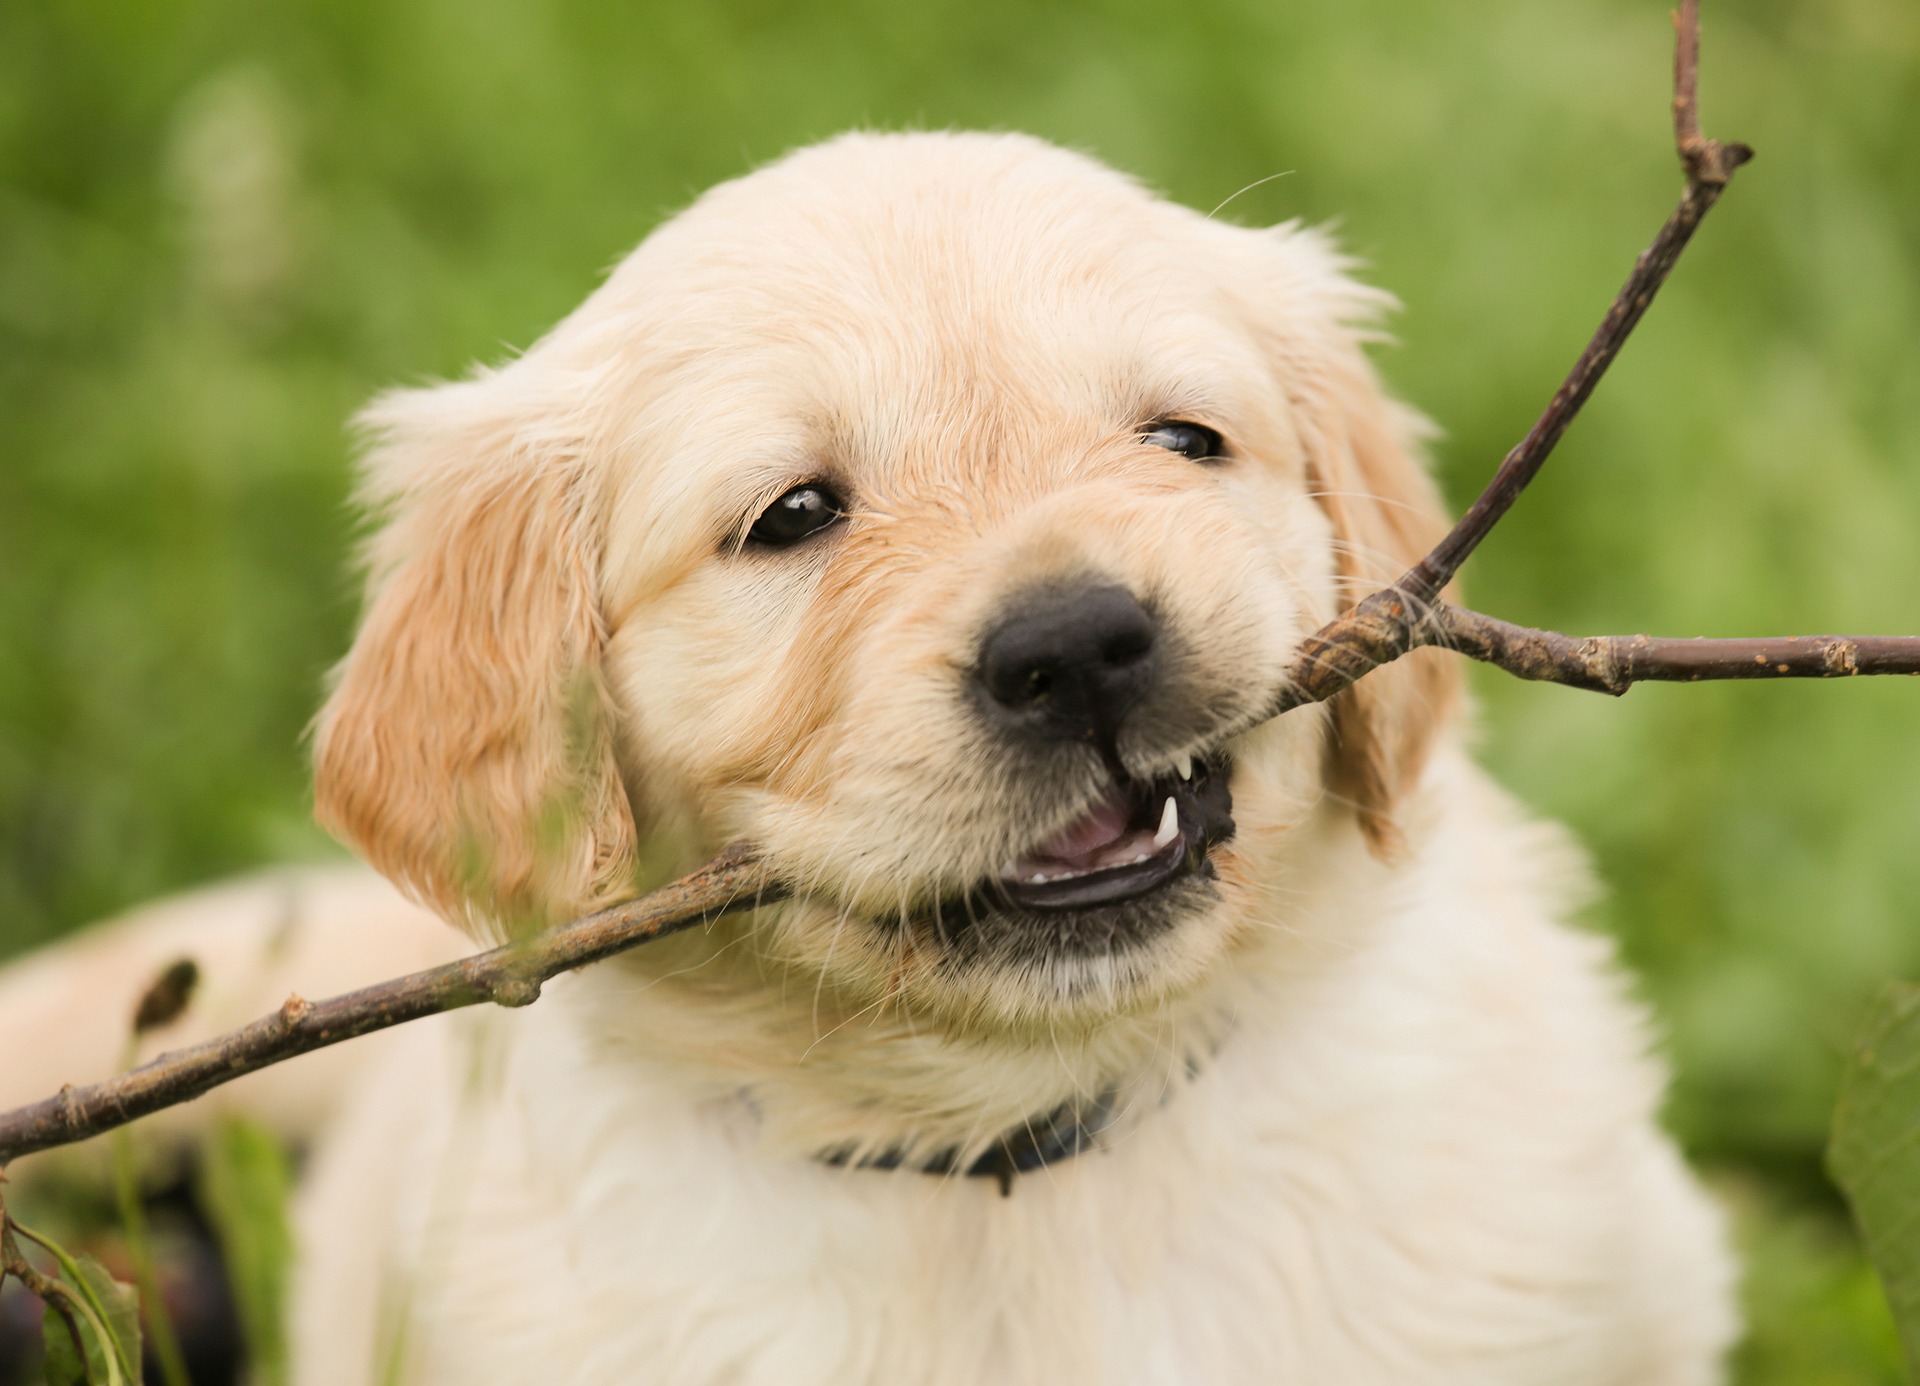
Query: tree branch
[
  {"x": 1387, "y": 624},
  {"x": 1709, "y": 165},
  {"x": 1614, "y": 663},
  {"x": 1384, "y": 626},
  {"x": 507, "y": 976}
]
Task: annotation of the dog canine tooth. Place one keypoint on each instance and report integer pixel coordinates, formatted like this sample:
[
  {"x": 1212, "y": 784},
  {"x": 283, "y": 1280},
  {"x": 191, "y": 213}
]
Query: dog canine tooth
[
  {"x": 1184, "y": 765},
  {"x": 1169, "y": 824}
]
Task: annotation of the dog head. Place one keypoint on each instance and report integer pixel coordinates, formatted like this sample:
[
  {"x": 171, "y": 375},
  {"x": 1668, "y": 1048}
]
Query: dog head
[{"x": 937, "y": 513}]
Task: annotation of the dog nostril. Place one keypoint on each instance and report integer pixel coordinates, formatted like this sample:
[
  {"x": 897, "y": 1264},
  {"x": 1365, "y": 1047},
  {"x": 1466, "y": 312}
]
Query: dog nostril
[
  {"x": 1068, "y": 663},
  {"x": 1128, "y": 646}
]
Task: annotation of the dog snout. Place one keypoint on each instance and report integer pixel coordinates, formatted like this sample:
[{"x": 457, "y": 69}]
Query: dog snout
[{"x": 1069, "y": 664}]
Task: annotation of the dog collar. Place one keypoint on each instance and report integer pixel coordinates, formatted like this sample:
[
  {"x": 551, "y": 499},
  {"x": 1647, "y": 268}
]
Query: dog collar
[{"x": 1059, "y": 1135}]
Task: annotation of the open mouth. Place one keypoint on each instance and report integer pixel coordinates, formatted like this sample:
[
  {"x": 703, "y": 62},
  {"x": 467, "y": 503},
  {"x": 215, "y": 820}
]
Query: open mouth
[{"x": 1141, "y": 836}]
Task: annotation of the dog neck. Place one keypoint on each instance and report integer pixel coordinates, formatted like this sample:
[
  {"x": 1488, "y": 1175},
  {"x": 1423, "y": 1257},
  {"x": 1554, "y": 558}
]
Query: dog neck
[
  {"x": 798, "y": 1072},
  {"x": 743, "y": 1051},
  {"x": 890, "y": 1090}
]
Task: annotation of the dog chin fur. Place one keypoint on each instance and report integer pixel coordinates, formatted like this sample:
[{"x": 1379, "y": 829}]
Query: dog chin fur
[{"x": 1380, "y": 1114}]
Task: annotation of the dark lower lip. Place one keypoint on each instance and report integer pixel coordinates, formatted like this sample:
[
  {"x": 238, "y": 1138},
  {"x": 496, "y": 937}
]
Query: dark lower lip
[{"x": 1205, "y": 809}]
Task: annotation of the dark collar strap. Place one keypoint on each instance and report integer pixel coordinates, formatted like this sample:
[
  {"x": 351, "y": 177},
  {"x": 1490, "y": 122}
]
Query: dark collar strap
[{"x": 1059, "y": 1135}]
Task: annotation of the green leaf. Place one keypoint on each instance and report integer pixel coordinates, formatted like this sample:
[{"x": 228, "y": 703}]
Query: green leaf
[
  {"x": 61, "y": 1365},
  {"x": 116, "y": 1305},
  {"x": 244, "y": 1187},
  {"x": 110, "y": 1310},
  {"x": 1875, "y": 1152}
]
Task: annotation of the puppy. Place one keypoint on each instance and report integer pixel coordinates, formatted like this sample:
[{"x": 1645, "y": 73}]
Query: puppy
[{"x": 937, "y": 512}]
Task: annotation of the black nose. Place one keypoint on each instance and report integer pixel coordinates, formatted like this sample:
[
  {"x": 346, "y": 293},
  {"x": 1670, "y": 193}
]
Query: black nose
[{"x": 1068, "y": 664}]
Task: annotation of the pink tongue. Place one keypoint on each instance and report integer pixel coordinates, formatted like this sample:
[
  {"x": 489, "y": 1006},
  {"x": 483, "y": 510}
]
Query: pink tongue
[{"x": 1080, "y": 843}]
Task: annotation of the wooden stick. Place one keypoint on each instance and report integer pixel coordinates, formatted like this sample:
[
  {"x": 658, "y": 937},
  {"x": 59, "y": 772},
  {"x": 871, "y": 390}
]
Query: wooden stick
[
  {"x": 507, "y": 976},
  {"x": 1614, "y": 663},
  {"x": 1385, "y": 625}
]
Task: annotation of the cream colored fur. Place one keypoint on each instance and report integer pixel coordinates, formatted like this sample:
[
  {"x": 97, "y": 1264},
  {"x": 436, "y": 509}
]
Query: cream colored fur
[{"x": 1385, "y": 1117}]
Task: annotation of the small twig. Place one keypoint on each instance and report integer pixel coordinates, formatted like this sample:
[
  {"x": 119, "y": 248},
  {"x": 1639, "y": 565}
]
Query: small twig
[
  {"x": 507, "y": 976},
  {"x": 1709, "y": 164},
  {"x": 45, "y": 1288},
  {"x": 1385, "y": 625},
  {"x": 1706, "y": 161},
  {"x": 1614, "y": 663}
]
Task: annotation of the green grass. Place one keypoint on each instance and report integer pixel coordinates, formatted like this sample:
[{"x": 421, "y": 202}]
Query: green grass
[{"x": 222, "y": 226}]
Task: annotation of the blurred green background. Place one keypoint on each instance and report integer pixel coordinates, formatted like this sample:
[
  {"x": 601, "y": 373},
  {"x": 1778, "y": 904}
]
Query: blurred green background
[{"x": 223, "y": 225}]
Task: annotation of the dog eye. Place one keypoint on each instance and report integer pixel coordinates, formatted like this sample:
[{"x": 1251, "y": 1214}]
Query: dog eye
[
  {"x": 800, "y": 512},
  {"x": 1193, "y": 441}
]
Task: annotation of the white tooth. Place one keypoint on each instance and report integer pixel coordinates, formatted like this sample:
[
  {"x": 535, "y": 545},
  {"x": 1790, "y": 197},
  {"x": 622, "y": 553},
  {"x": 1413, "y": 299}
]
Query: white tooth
[
  {"x": 1185, "y": 766},
  {"x": 1169, "y": 824}
]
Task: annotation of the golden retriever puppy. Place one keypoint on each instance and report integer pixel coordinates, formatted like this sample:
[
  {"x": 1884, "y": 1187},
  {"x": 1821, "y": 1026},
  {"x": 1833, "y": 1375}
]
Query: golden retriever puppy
[{"x": 938, "y": 512}]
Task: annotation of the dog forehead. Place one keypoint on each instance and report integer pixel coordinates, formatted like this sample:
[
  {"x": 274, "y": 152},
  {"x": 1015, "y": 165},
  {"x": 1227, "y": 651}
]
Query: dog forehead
[
  {"x": 920, "y": 216},
  {"x": 897, "y": 262}
]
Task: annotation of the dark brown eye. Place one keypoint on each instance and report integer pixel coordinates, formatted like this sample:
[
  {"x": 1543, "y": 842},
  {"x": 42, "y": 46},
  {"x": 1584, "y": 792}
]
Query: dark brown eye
[
  {"x": 1193, "y": 441},
  {"x": 803, "y": 511}
]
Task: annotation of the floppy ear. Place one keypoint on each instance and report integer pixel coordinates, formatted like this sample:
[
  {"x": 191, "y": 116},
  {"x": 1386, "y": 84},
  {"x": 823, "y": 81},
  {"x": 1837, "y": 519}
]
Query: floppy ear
[
  {"x": 1366, "y": 468},
  {"x": 465, "y": 750}
]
